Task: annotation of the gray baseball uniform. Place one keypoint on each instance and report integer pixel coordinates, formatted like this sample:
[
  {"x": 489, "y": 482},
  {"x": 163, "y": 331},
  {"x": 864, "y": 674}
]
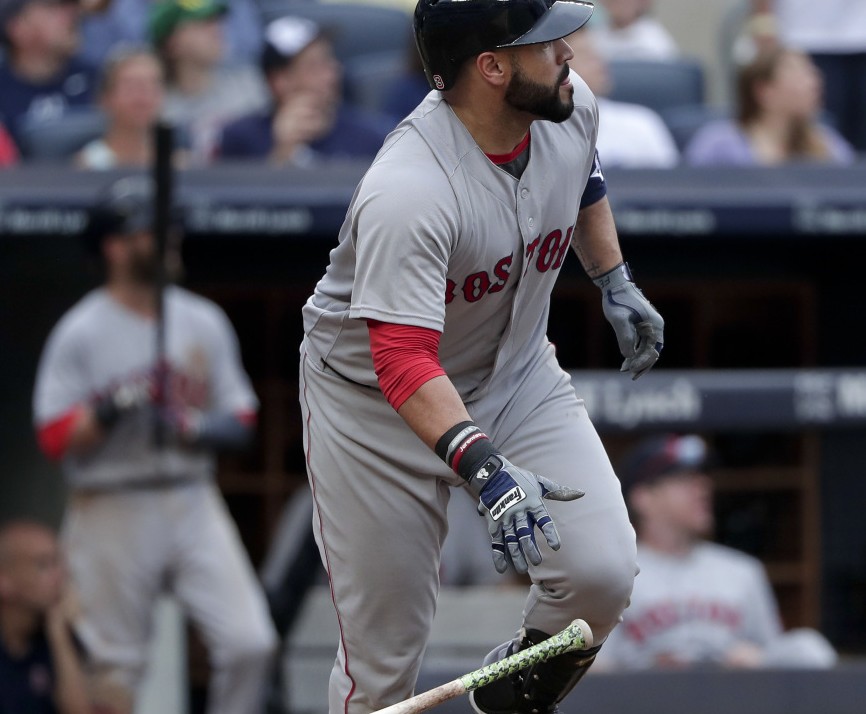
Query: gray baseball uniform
[
  {"x": 142, "y": 520},
  {"x": 693, "y": 608},
  {"x": 437, "y": 236}
]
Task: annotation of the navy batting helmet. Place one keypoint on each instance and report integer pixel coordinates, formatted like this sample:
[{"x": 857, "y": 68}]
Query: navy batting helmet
[
  {"x": 449, "y": 32},
  {"x": 124, "y": 206}
]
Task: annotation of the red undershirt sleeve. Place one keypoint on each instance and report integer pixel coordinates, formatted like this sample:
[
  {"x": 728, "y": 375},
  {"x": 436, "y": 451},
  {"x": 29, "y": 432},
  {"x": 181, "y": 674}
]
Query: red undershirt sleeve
[
  {"x": 404, "y": 358},
  {"x": 53, "y": 437}
]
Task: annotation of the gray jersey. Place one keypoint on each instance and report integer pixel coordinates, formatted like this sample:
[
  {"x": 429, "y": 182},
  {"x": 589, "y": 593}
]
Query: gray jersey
[
  {"x": 693, "y": 608},
  {"x": 99, "y": 344},
  {"x": 437, "y": 236}
]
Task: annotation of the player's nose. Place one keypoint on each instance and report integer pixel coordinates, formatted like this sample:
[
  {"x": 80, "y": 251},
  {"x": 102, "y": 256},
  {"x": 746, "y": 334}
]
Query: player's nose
[{"x": 564, "y": 51}]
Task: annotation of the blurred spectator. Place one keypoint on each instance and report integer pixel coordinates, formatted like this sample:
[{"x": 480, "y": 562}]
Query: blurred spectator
[
  {"x": 629, "y": 135},
  {"x": 629, "y": 31},
  {"x": 8, "y": 150},
  {"x": 40, "y": 667},
  {"x": 695, "y": 603},
  {"x": 309, "y": 119},
  {"x": 124, "y": 22},
  {"x": 41, "y": 77},
  {"x": 130, "y": 94},
  {"x": 835, "y": 38},
  {"x": 202, "y": 94},
  {"x": 778, "y": 108}
]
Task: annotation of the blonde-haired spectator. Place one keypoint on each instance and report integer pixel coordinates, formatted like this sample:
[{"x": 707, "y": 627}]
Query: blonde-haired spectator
[
  {"x": 835, "y": 39},
  {"x": 779, "y": 100},
  {"x": 131, "y": 96}
]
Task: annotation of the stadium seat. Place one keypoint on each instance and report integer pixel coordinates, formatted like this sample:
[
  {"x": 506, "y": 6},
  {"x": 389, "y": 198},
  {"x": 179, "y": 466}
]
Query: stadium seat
[
  {"x": 369, "y": 77},
  {"x": 658, "y": 84},
  {"x": 356, "y": 28},
  {"x": 59, "y": 138},
  {"x": 684, "y": 121}
]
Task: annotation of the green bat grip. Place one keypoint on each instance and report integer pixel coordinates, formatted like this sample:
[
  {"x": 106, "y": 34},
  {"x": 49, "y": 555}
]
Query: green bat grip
[{"x": 577, "y": 636}]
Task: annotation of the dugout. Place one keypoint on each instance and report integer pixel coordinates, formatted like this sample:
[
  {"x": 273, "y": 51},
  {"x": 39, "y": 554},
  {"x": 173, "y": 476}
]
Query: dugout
[{"x": 755, "y": 271}]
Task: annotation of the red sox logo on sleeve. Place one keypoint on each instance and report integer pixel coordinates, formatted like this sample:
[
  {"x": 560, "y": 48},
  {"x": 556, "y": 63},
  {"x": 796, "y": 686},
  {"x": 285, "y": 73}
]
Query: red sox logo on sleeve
[{"x": 546, "y": 253}]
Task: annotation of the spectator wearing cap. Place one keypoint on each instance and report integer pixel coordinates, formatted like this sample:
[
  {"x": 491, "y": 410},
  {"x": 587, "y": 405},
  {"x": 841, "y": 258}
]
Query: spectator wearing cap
[
  {"x": 41, "y": 78},
  {"x": 695, "y": 603},
  {"x": 108, "y": 24},
  {"x": 202, "y": 93},
  {"x": 308, "y": 120}
]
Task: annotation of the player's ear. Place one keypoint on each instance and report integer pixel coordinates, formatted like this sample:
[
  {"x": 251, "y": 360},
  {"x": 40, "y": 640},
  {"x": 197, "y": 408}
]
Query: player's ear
[{"x": 493, "y": 67}]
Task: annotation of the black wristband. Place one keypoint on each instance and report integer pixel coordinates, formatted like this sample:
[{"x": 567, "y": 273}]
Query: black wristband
[
  {"x": 106, "y": 412},
  {"x": 464, "y": 447}
]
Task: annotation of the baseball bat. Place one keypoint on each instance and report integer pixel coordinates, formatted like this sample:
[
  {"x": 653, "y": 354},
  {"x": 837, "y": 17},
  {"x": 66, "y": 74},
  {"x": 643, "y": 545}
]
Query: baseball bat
[
  {"x": 577, "y": 636},
  {"x": 162, "y": 208}
]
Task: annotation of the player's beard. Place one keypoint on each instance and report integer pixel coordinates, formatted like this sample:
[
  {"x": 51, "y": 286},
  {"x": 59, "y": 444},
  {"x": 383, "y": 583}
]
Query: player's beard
[
  {"x": 537, "y": 99},
  {"x": 144, "y": 268}
]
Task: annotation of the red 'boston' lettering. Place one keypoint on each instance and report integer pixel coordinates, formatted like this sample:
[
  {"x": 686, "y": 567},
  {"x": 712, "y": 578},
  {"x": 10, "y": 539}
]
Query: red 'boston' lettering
[
  {"x": 563, "y": 249},
  {"x": 503, "y": 272},
  {"x": 548, "y": 251},
  {"x": 530, "y": 251},
  {"x": 450, "y": 287},
  {"x": 476, "y": 286}
]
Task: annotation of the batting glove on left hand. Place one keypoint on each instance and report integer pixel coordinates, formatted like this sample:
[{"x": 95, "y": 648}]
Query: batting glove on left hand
[
  {"x": 510, "y": 499},
  {"x": 638, "y": 326}
]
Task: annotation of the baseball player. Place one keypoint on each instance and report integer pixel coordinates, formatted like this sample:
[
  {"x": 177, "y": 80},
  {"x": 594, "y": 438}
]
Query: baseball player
[
  {"x": 695, "y": 602},
  {"x": 426, "y": 367},
  {"x": 143, "y": 519}
]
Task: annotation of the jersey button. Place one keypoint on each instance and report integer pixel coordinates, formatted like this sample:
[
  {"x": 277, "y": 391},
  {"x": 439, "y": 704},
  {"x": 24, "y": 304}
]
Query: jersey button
[
  {"x": 524, "y": 192},
  {"x": 531, "y": 222}
]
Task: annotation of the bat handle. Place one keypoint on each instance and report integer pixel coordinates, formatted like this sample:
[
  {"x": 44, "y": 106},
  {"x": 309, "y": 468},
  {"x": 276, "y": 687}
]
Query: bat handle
[{"x": 427, "y": 700}]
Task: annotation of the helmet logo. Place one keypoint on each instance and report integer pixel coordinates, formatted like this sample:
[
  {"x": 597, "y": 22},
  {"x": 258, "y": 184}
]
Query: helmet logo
[{"x": 438, "y": 81}]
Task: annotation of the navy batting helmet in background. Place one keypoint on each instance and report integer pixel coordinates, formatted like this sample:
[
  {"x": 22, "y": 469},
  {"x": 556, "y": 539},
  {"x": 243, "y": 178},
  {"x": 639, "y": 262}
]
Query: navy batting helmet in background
[
  {"x": 449, "y": 32},
  {"x": 126, "y": 205}
]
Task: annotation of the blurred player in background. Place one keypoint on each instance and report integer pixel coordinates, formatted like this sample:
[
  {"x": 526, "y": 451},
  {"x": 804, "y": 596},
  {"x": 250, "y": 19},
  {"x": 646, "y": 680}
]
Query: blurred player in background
[
  {"x": 145, "y": 519},
  {"x": 695, "y": 603}
]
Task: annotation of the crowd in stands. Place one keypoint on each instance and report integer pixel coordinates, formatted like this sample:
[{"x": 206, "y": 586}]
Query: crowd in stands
[{"x": 82, "y": 81}]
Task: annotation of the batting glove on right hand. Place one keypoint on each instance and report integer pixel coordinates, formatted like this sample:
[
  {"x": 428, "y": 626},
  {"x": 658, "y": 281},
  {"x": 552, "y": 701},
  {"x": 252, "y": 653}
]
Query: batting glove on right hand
[
  {"x": 638, "y": 326},
  {"x": 511, "y": 500},
  {"x": 122, "y": 399}
]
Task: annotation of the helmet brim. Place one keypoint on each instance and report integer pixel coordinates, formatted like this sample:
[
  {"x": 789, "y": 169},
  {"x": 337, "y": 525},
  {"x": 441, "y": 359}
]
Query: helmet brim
[{"x": 563, "y": 18}]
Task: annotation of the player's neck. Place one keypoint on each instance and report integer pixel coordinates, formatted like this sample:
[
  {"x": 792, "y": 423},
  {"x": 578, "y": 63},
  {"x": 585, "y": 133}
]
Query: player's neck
[
  {"x": 495, "y": 132},
  {"x": 16, "y": 630},
  {"x": 137, "y": 297},
  {"x": 666, "y": 540}
]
